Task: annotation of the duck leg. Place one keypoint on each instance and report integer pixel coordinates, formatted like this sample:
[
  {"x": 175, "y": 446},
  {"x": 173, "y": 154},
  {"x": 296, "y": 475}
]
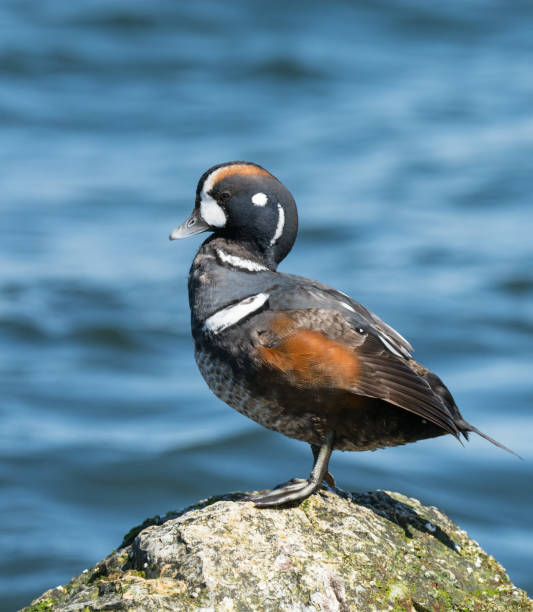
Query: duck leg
[
  {"x": 328, "y": 477},
  {"x": 297, "y": 489}
]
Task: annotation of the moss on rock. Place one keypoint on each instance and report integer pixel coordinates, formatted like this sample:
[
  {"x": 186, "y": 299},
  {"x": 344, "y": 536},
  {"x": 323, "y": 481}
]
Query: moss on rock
[{"x": 334, "y": 552}]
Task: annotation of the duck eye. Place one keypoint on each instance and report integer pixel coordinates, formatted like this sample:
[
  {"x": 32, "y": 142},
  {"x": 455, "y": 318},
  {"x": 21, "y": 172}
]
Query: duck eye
[{"x": 225, "y": 195}]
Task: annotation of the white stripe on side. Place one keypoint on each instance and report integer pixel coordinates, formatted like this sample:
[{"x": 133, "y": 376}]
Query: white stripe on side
[
  {"x": 240, "y": 262},
  {"x": 407, "y": 348},
  {"x": 280, "y": 226},
  {"x": 347, "y": 306},
  {"x": 230, "y": 315},
  {"x": 391, "y": 348}
]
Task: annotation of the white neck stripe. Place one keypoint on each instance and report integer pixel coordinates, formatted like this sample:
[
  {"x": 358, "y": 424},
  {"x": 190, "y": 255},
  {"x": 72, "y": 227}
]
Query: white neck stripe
[
  {"x": 230, "y": 315},
  {"x": 240, "y": 262},
  {"x": 280, "y": 226}
]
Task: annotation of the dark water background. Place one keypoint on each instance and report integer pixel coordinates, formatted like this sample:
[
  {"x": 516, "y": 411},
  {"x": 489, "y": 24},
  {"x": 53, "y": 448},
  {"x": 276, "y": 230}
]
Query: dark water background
[{"x": 404, "y": 130}]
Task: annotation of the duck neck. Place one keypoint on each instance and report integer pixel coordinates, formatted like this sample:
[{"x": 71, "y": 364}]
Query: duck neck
[{"x": 242, "y": 254}]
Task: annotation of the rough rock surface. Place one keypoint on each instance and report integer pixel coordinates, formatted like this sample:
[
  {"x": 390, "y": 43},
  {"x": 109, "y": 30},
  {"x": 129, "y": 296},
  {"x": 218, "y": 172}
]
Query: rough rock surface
[{"x": 334, "y": 552}]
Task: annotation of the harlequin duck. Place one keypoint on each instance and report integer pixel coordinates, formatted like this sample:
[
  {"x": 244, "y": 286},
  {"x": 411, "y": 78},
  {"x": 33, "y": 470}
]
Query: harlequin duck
[{"x": 291, "y": 353}]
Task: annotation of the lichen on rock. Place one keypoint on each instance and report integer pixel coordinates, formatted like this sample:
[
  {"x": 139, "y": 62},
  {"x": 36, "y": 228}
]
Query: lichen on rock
[{"x": 334, "y": 552}]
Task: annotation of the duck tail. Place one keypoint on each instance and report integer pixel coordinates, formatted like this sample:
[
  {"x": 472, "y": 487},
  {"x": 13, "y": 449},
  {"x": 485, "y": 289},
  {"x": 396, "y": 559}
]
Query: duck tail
[{"x": 465, "y": 427}]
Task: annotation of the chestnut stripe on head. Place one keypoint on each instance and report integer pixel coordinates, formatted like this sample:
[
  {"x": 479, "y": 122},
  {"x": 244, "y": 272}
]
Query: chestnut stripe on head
[
  {"x": 219, "y": 173},
  {"x": 232, "y": 169}
]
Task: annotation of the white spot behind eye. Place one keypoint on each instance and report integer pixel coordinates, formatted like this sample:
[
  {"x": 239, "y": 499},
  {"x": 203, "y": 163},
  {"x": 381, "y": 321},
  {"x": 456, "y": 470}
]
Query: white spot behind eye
[
  {"x": 211, "y": 212},
  {"x": 259, "y": 199}
]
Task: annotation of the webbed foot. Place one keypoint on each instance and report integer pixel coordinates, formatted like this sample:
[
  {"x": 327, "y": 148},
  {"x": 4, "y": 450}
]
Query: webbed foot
[{"x": 298, "y": 489}]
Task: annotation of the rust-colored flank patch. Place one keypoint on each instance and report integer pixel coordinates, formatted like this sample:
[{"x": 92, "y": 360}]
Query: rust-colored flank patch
[
  {"x": 313, "y": 360},
  {"x": 228, "y": 171}
]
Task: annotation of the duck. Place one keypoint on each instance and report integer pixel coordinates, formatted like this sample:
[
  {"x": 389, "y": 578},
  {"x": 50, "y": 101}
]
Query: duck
[{"x": 293, "y": 354}]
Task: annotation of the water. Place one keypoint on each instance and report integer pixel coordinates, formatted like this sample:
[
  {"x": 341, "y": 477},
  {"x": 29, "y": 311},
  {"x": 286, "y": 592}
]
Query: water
[{"x": 404, "y": 130}]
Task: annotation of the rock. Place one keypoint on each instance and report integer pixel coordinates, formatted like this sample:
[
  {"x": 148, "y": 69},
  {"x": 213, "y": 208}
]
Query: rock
[{"x": 334, "y": 552}]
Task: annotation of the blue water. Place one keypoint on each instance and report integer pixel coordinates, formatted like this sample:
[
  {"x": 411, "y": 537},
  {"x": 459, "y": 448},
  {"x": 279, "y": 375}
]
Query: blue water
[{"x": 404, "y": 130}]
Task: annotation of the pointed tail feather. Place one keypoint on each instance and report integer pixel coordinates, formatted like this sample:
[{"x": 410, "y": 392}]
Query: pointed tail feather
[{"x": 462, "y": 424}]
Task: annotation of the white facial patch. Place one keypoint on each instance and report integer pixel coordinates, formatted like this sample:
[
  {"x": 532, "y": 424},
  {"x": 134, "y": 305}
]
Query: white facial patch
[
  {"x": 230, "y": 315},
  {"x": 260, "y": 199},
  {"x": 211, "y": 212},
  {"x": 210, "y": 181},
  {"x": 280, "y": 225},
  {"x": 240, "y": 262}
]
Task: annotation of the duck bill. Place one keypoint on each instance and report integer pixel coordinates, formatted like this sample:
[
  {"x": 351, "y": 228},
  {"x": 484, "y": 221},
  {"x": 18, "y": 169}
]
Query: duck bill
[{"x": 193, "y": 225}]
